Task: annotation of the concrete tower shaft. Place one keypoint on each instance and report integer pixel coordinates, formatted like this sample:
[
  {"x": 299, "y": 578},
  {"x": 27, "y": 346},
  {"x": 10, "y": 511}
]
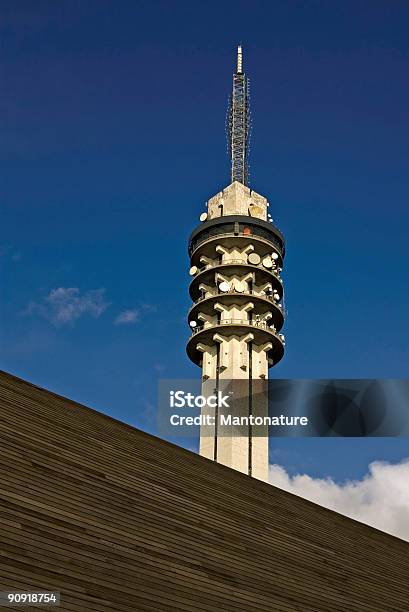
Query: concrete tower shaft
[{"x": 237, "y": 313}]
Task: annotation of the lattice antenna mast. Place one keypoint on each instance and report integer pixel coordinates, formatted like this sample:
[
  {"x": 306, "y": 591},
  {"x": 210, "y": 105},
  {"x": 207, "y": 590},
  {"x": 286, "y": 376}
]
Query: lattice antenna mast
[{"x": 238, "y": 128}]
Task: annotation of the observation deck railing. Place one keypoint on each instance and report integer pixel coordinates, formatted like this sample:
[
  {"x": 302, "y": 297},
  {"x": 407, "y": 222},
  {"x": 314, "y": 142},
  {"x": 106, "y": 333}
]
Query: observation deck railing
[
  {"x": 235, "y": 292},
  {"x": 252, "y": 323},
  {"x": 234, "y": 262},
  {"x": 196, "y": 242}
]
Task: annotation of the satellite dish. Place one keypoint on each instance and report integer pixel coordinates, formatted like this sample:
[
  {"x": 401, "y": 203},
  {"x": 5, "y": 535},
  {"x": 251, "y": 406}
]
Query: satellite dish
[
  {"x": 276, "y": 297},
  {"x": 224, "y": 287},
  {"x": 193, "y": 270},
  {"x": 254, "y": 259},
  {"x": 267, "y": 263},
  {"x": 239, "y": 286},
  {"x": 274, "y": 256},
  {"x": 203, "y": 216},
  {"x": 192, "y": 323}
]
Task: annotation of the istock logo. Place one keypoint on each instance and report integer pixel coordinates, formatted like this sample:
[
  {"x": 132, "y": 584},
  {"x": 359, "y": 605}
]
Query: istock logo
[{"x": 180, "y": 399}]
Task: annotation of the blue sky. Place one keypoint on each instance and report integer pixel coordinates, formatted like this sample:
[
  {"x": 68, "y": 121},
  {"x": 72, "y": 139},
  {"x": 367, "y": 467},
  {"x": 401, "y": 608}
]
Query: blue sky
[{"x": 113, "y": 119}]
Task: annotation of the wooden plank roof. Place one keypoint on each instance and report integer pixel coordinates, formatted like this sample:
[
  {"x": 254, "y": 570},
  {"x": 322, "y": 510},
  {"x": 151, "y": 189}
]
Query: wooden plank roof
[{"x": 118, "y": 520}]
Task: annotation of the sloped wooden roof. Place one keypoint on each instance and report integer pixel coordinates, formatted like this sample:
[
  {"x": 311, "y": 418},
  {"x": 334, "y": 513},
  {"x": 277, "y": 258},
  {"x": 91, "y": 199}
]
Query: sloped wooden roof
[{"x": 118, "y": 520}]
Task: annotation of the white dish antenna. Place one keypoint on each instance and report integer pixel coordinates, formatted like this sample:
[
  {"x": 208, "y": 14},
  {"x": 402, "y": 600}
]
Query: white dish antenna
[
  {"x": 193, "y": 270},
  {"x": 254, "y": 259},
  {"x": 203, "y": 216},
  {"x": 267, "y": 263},
  {"x": 239, "y": 286},
  {"x": 192, "y": 324},
  {"x": 274, "y": 255},
  {"x": 224, "y": 287}
]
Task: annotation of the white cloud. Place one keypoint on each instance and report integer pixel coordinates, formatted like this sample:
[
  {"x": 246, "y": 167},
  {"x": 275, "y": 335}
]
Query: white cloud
[
  {"x": 65, "y": 305},
  {"x": 380, "y": 499},
  {"x": 127, "y": 317}
]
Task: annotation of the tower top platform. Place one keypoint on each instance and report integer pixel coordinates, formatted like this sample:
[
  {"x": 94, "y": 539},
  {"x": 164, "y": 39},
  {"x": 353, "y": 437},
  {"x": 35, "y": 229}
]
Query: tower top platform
[{"x": 237, "y": 199}]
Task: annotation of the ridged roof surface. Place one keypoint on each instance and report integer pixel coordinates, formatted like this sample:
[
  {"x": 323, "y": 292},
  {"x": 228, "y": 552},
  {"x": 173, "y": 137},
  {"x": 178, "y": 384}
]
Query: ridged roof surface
[{"x": 118, "y": 520}]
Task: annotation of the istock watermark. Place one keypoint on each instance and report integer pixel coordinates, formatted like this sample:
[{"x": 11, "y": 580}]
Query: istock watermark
[
  {"x": 225, "y": 408},
  {"x": 181, "y": 399},
  {"x": 283, "y": 408}
]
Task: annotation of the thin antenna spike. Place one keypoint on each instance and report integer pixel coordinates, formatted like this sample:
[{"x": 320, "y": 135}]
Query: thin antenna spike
[
  {"x": 239, "y": 59},
  {"x": 239, "y": 123}
]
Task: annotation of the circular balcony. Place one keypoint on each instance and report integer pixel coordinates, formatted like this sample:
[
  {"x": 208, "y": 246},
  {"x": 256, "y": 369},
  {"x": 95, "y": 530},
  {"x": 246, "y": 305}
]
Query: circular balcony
[
  {"x": 262, "y": 304},
  {"x": 260, "y": 329},
  {"x": 234, "y": 266},
  {"x": 207, "y": 245},
  {"x": 236, "y": 230}
]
